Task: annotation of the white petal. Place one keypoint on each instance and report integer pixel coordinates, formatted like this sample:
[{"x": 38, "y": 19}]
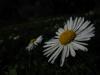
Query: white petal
[
  {"x": 67, "y": 53},
  {"x": 65, "y": 26},
  {"x": 57, "y": 33},
  {"x": 56, "y": 56},
  {"x": 30, "y": 46},
  {"x": 60, "y": 30},
  {"x": 74, "y": 46},
  {"x": 85, "y": 36},
  {"x": 56, "y": 53},
  {"x": 72, "y": 50},
  {"x": 90, "y": 27},
  {"x": 75, "y": 22},
  {"x": 57, "y": 37},
  {"x": 87, "y": 31},
  {"x": 84, "y": 25},
  {"x": 70, "y": 23},
  {"x": 49, "y": 52},
  {"x": 50, "y": 47},
  {"x": 39, "y": 39},
  {"x": 50, "y": 42},
  {"x": 80, "y": 47},
  {"x": 81, "y": 43},
  {"x": 80, "y": 24},
  {"x": 82, "y": 39},
  {"x": 63, "y": 56}
]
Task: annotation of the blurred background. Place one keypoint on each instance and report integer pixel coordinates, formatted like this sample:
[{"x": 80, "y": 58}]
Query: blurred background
[
  {"x": 22, "y": 20},
  {"x": 21, "y": 10}
]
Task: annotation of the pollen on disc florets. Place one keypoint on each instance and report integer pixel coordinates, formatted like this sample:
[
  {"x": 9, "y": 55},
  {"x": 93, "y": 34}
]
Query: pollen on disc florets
[{"x": 67, "y": 36}]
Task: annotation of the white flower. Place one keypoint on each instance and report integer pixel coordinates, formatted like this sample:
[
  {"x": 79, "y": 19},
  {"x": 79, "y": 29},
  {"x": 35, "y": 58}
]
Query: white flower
[
  {"x": 69, "y": 39},
  {"x": 34, "y": 42}
]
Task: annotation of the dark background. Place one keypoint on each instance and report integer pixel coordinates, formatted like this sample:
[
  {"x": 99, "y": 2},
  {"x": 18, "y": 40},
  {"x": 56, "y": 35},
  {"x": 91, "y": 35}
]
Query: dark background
[
  {"x": 31, "y": 18},
  {"x": 21, "y": 10}
]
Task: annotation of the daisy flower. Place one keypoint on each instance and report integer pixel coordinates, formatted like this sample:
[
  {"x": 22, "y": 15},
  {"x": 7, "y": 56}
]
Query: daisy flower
[
  {"x": 34, "y": 42},
  {"x": 69, "y": 39}
]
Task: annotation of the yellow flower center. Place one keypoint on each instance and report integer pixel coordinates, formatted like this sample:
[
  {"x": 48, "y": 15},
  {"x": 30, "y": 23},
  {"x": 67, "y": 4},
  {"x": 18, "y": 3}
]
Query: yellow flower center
[{"x": 66, "y": 37}]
